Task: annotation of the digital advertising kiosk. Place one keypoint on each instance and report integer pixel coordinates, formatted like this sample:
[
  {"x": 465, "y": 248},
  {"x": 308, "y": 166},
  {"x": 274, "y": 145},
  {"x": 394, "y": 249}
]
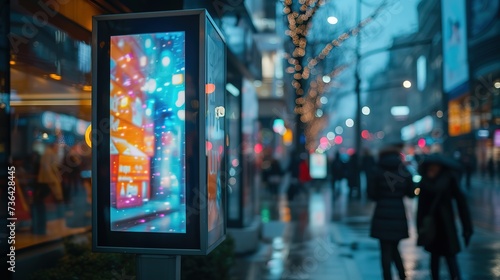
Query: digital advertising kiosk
[{"x": 158, "y": 137}]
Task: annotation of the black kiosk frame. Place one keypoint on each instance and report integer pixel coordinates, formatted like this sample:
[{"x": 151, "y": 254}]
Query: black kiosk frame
[{"x": 158, "y": 137}]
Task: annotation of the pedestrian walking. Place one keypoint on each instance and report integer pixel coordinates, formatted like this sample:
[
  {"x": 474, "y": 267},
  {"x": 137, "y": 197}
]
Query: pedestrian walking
[
  {"x": 273, "y": 176},
  {"x": 491, "y": 168},
  {"x": 367, "y": 165},
  {"x": 468, "y": 166},
  {"x": 389, "y": 182},
  {"x": 49, "y": 171},
  {"x": 304, "y": 173},
  {"x": 353, "y": 173},
  {"x": 436, "y": 227},
  {"x": 337, "y": 170}
]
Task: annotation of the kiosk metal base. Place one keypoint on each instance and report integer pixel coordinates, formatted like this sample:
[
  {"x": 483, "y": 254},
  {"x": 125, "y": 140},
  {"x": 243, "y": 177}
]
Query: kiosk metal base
[{"x": 158, "y": 267}]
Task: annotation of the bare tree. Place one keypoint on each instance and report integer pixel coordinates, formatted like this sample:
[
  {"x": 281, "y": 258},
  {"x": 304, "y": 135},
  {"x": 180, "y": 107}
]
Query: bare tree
[{"x": 306, "y": 61}]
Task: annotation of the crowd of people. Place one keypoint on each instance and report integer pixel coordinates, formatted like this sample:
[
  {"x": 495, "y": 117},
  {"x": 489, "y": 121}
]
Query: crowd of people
[
  {"x": 389, "y": 179},
  {"x": 56, "y": 177}
]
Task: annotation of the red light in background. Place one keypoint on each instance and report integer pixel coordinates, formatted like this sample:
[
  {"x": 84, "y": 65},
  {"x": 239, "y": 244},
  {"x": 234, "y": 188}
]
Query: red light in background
[
  {"x": 421, "y": 142},
  {"x": 323, "y": 141},
  {"x": 365, "y": 134},
  {"x": 350, "y": 151},
  {"x": 209, "y": 146},
  {"x": 257, "y": 148},
  {"x": 338, "y": 140}
]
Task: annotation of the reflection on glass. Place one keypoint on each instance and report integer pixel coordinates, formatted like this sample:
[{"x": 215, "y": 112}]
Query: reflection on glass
[
  {"x": 215, "y": 90},
  {"x": 147, "y": 132},
  {"x": 233, "y": 163}
]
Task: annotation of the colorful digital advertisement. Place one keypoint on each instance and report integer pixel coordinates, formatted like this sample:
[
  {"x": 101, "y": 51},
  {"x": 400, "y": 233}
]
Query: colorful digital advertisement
[{"x": 147, "y": 130}]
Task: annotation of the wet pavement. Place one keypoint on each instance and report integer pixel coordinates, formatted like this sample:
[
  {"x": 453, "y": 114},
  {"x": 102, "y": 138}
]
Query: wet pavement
[{"x": 324, "y": 236}]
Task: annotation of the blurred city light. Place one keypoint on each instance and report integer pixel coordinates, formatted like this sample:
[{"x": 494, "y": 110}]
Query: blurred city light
[
  {"x": 338, "y": 140},
  {"x": 55, "y": 76},
  {"x": 330, "y": 135},
  {"x": 398, "y": 111},
  {"x": 323, "y": 141},
  {"x": 88, "y": 137},
  {"x": 339, "y": 130},
  {"x": 365, "y": 134},
  {"x": 279, "y": 126},
  {"x": 326, "y": 79},
  {"x": 439, "y": 114},
  {"x": 421, "y": 142},
  {"x": 319, "y": 113},
  {"x": 332, "y": 20},
  {"x": 349, "y": 122},
  {"x": 407, "y": 84},
  {"x": 323, "y": 100},
  {"x": 365, "y": 110},
  {"x": 288, "y": 137},
  {"x": 232, "y": 89},
  {"x": 258, "y": 148},
  {"x": 497, "y": 85}
]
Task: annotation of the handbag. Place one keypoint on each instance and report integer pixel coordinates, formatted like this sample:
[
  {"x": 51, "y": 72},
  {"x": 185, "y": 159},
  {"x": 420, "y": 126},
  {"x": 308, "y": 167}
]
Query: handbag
[{"x": 427, "y": 231}]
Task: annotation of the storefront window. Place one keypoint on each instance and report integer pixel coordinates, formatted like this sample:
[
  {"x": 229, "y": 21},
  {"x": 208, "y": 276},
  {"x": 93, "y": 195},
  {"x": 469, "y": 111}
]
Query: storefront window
[{"x": 50, "y": 117}]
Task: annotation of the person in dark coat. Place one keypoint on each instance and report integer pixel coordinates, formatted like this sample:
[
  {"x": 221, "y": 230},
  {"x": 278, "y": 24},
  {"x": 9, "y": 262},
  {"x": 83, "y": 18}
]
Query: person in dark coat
[
  {"x": 491, "y": 168},
  {"x": 468, "y": 166},
  {"x": 273, "y": 177},
  {"x": 353, "y": 172},
  {"x": 337, "y": 172},
  {"x": 439, "y": 181},
  {"x": 389, "y": 182}
]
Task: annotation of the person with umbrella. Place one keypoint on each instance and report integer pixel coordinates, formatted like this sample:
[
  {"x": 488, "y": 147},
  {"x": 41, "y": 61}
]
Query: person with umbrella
[{"x": 437, "y": 231}]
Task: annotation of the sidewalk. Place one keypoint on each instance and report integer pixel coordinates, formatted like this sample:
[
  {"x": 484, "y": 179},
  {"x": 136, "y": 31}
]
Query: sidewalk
[{"x": 317, "y": 238}]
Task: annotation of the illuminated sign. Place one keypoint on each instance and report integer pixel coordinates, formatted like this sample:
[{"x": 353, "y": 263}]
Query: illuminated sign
[
  {"x": 497, "y": 138},
  {"x": 459, "y": 116},
  {"x": 55, "y": 121},
  {"x": 318, "y": 165},
  {"x": 159, "y": 122},
  {"x": 418, "y": 128},
  {"x": 455, "y": 61}
]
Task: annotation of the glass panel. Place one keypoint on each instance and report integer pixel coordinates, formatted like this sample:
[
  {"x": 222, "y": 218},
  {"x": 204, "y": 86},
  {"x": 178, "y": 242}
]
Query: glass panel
[
  {"x": 215, "y": 114},
  {"x": 50, "y": 118}
]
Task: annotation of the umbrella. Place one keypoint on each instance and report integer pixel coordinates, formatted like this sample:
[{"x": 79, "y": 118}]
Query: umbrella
[{"x": 440, "y": 159}]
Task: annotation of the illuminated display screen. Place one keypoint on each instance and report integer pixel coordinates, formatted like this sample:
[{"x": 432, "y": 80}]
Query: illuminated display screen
[
  {"x": 318, "y": 166},
  {"x": 455, "y": 61},
  {"x": 215, "y": 120},
  {"x": 147, "y": 133}
]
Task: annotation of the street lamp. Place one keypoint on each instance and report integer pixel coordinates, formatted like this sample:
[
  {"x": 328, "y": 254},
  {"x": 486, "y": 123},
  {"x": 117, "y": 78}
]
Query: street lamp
[
  {"x": 349, "y": 122},
  {"x": 357, "y": 79},
  {"x": 365, "y": 110},
  {"x": 332, "y": 20}
]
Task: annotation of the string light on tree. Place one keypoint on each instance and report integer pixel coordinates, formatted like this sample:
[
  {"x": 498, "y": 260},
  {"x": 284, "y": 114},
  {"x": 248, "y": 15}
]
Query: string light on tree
[{"x": 299, "y": 18}]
